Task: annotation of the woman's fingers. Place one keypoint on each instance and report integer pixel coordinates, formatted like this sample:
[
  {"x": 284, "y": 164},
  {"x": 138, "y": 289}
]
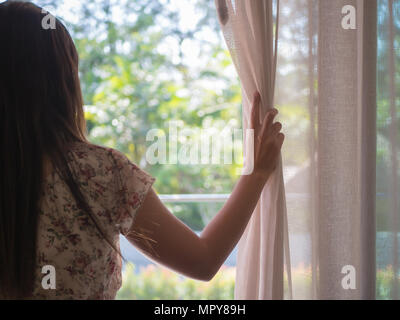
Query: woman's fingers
[
  {"x": 280, "y": 138},
  {"x": 270, "y": 117},
  {"x": 268, "y": 126},
  {"x": 268, "y": 120},
  {"x": 276, "y": 127},
  {"x": 269, "y": 139}
]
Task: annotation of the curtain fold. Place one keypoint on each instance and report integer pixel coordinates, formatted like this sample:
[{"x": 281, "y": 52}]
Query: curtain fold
[{"x": 248, "y": 28}]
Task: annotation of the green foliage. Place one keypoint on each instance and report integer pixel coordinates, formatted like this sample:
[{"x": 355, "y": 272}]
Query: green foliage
[
  {"x": 385, "y": 283},
  {"x": 156, "y": 283},
  {"x": 138, "y": 72}
]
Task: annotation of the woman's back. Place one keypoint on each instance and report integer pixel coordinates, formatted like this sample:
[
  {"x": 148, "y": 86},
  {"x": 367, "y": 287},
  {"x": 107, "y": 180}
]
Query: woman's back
[{"x": 86, "y": 267}]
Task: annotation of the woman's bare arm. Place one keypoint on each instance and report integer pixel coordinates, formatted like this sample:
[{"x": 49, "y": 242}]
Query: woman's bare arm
[{"x": 176, "y": 246}]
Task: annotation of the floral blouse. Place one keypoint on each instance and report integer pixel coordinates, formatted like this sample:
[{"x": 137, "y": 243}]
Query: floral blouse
[{"x": 85, "y": 265}]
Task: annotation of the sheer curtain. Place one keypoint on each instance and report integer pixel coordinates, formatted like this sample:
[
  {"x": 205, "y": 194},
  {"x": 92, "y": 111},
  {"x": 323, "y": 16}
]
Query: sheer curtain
[
  {"x": 341, "y": 152},
  {"x": 346, "y": 151},
  {"x": 248, "y": 29}
]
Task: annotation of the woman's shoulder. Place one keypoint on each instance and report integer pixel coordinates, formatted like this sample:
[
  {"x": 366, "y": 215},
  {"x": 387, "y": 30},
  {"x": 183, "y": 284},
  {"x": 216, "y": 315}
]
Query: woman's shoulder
[
  {"x": 91, "y": 158},
  {"x": 88, "y": 149},
  {"x": 95, "y": 153},
  {"x": 91, "y": 161},
  {"x": 109, "y": 177}
]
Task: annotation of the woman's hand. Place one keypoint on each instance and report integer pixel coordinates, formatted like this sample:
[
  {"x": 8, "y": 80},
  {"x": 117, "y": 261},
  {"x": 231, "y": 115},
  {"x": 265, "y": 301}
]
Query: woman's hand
[{"x": 268, "y": 139}]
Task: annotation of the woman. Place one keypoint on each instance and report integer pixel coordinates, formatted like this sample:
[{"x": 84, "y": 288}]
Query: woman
[{"x": 64, "y": 202}]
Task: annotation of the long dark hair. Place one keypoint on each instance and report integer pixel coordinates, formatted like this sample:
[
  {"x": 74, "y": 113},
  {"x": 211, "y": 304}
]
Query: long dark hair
[{"x": 41, "y": 112}]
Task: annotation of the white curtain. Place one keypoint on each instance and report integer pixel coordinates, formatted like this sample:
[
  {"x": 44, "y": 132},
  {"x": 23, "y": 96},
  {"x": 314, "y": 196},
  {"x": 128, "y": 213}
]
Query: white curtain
[
  {"x": 345, "y": 183},
  {"x": 248, "y": 29},
  {"x": 341, "y": 152}
]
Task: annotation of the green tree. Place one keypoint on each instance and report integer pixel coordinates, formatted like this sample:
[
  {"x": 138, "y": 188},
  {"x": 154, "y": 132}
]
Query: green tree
[{"x": 132, "y": 84}]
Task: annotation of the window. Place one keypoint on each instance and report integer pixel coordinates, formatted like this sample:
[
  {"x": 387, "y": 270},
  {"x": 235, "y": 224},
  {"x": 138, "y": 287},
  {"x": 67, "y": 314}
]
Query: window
[{"x": 147, "y": 67}]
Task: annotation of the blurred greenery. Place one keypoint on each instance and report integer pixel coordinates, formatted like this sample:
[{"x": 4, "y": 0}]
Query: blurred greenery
[
  {"x": 140, "y": 69},
  {"x": 155, "y": 283},
  {"x": 384, "y": 119}
]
